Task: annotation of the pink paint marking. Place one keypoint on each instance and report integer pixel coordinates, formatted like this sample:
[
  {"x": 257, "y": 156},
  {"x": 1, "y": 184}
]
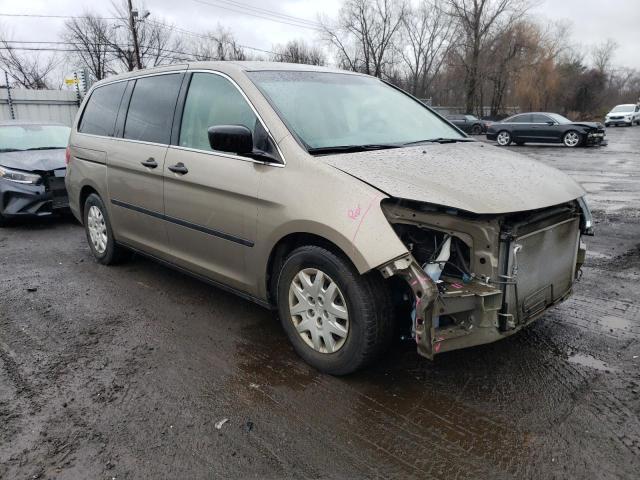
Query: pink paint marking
[
  {"x": 355, "y": 234},
  {"x": 437, "y": 347},
  {"x": 354, "y": 213}
]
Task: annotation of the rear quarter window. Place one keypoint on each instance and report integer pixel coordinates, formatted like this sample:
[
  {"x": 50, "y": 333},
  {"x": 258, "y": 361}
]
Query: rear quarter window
[
  {"x": 151, "y": 109},
  {"x": 99, "y": 116}
]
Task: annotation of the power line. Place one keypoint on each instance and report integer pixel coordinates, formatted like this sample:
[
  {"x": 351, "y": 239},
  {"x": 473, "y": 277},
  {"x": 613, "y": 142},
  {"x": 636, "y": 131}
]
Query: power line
[
  {"x": 298, "y": 23},
  {"x": 33, "y": 42},
  {"x": 36, "y": 15},
  {"x": 263, "y": 12},
  {"x": 233, "y": 6},
  {"x": 163, "y": 25}
]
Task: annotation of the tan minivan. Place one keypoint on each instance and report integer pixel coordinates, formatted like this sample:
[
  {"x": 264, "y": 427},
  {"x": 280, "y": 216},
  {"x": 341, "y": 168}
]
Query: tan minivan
[{"x": 339, "y": 200}]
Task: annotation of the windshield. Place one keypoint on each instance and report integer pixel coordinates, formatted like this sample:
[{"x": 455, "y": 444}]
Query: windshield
[
  {"x": 623, "y": 108},
  {"x": 33, "y": 137},
  {"x": 327, "y": 110},
  {"x": 559, "y": 118},
  {"x": 471, "y": 117}
]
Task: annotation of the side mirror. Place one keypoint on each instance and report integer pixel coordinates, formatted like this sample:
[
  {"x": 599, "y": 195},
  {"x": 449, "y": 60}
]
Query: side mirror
[{"x": 231, "y": 138}]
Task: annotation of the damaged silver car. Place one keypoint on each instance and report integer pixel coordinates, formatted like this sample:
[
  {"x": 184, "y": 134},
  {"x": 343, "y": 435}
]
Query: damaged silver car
[
  {"x": 344, "y": 203},
  {"x": 32, "y": 169}
]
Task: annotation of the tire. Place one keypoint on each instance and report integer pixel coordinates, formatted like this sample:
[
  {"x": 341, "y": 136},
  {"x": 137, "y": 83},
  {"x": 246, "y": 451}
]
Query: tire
[
  {"x": 607, "y": 125},
  {"x": 3, "y": 221},
  {"x": 103, "y": 246},
  {"x": 572, "y": 139},
  {"x": 503, "y": 138},
  {"x": 476, "y": 129},
  {"x": 366, "y": 327}
]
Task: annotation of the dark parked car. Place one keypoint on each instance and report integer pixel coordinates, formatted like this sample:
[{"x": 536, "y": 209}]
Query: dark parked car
[
  {"x": 543, "y": 127},
  {"x": 468, "y": 123},
  {"x": 32, "y": 169}
]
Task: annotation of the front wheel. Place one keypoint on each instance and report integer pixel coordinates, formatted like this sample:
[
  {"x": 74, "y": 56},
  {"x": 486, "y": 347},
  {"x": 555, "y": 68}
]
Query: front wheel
[
  {"x": 99, "y": 232},
  {"x": 476, "y": 129},
  {"x": 337, "y": 320},
  {"x": 572, "y": 139},
  {"x": 503, "y": 138}
]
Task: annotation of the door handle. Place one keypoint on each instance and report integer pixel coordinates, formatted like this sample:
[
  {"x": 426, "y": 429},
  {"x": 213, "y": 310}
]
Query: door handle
[
  {"x": 150, "y": 163},
  {"x": 179, "y": 168}
]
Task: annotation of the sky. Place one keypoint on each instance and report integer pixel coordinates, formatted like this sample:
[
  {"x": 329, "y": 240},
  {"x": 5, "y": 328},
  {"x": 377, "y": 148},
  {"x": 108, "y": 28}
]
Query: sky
[{"x": 593, "y": 21}]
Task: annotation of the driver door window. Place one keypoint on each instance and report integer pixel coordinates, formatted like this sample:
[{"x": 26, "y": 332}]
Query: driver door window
[{"x": 212, "y": 100}]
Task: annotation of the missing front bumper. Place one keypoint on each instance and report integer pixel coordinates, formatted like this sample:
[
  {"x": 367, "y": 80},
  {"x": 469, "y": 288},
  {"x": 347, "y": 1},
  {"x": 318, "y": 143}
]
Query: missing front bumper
[
  {"x": 22, "y": 200},
  {"x": 507, "y": 291}
]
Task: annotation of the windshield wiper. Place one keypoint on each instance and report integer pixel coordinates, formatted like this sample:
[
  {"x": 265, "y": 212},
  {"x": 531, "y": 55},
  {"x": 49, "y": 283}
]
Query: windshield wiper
[
  {"x": 353, "y": 148},
  {"x": 439, "y": 140},
  {"x": 45, "y": 148}
]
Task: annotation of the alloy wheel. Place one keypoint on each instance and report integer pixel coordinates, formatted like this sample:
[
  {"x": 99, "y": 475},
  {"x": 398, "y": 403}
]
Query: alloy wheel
[
  {"x": 504, "y": 138},
  {"x": 571, "y": 139},
  {"x": 97, "y": 229},
  {"x": 318, "y": 310}
]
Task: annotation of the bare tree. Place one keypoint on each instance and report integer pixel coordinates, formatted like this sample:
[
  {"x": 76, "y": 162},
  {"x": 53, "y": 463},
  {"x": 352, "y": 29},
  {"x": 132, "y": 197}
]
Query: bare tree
[
  {"x": 217, "y": 45},
  {"x": 426, "y": 34},
  {"x": 478, "y": 19},
  {"x": 602, "y": 54},
  {"x": 297, "y": 51},
  {"x": 90, "y": 34},
  {"x": 364, "y": 34},
  {"x": 28, "y": 71}
]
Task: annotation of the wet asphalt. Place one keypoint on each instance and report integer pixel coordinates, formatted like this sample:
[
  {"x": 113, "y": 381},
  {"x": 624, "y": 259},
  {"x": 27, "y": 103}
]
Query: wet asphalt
[{"x": 129, "y": 371}]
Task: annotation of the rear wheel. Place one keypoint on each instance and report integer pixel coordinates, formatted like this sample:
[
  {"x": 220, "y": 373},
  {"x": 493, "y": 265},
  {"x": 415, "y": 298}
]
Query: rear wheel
[
  {"x": 337, "y": 320},
  {"x": 503, "y": 138},
  {"x": 572, "y": 139},
  {"x": 100, "y": 234},
  {"x": 476, "y": 129}
]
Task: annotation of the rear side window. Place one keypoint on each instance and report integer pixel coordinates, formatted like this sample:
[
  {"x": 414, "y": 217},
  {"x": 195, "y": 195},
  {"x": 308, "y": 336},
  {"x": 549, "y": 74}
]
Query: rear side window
[
  {"x": 151, "y": 108},
  {"x": 99, "y": 117},
  {"x": 537, "y": 118},
  {"x": 212, "y": 100},
  {"x": 524, "y": 118}
]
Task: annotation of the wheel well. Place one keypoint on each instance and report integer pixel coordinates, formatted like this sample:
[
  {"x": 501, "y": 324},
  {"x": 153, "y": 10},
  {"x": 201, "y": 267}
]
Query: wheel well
[
  {"x": 84, "y": 193},
  {"x": 288, "y": 244}
]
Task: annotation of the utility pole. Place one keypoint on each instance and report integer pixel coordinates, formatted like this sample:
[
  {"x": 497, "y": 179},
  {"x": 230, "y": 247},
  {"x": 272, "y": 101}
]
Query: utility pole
[{"x": 134, "y": 34}]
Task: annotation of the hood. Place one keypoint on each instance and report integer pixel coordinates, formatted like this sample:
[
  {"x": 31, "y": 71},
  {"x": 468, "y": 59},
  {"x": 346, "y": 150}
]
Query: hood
[
  {"x": 34, "y": 160},
  {"x": 469, "y": 176},
  {"x": 595, "y": 125}
]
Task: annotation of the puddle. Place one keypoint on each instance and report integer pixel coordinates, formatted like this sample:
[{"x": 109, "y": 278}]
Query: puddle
[{"x": 589, "y": 361}]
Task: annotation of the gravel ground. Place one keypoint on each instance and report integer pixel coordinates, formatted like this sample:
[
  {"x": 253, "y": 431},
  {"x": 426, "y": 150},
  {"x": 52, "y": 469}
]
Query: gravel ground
[{"x": 124, "y": 372}]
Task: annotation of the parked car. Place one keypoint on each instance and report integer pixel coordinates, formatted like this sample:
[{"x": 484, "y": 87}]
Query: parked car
[
  {"x": 340, "y": 201},
  {"x": 541, "y": 127},
  {"x": 32, "y": 169},
  {"x": 468, "y": 123},
  {"x": 626, "y": 114}
]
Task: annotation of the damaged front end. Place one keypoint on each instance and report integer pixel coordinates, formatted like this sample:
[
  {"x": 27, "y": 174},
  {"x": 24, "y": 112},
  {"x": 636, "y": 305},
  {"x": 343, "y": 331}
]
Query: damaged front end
[{"x": 471, "y": 279}]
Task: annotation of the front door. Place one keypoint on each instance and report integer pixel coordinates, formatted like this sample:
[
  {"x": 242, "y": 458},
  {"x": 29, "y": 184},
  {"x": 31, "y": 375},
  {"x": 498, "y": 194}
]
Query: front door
[
  {"x": 135, "y": 163},
  {"x": 211, "y": 197},
  {"x": 545, "y": 128}
]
